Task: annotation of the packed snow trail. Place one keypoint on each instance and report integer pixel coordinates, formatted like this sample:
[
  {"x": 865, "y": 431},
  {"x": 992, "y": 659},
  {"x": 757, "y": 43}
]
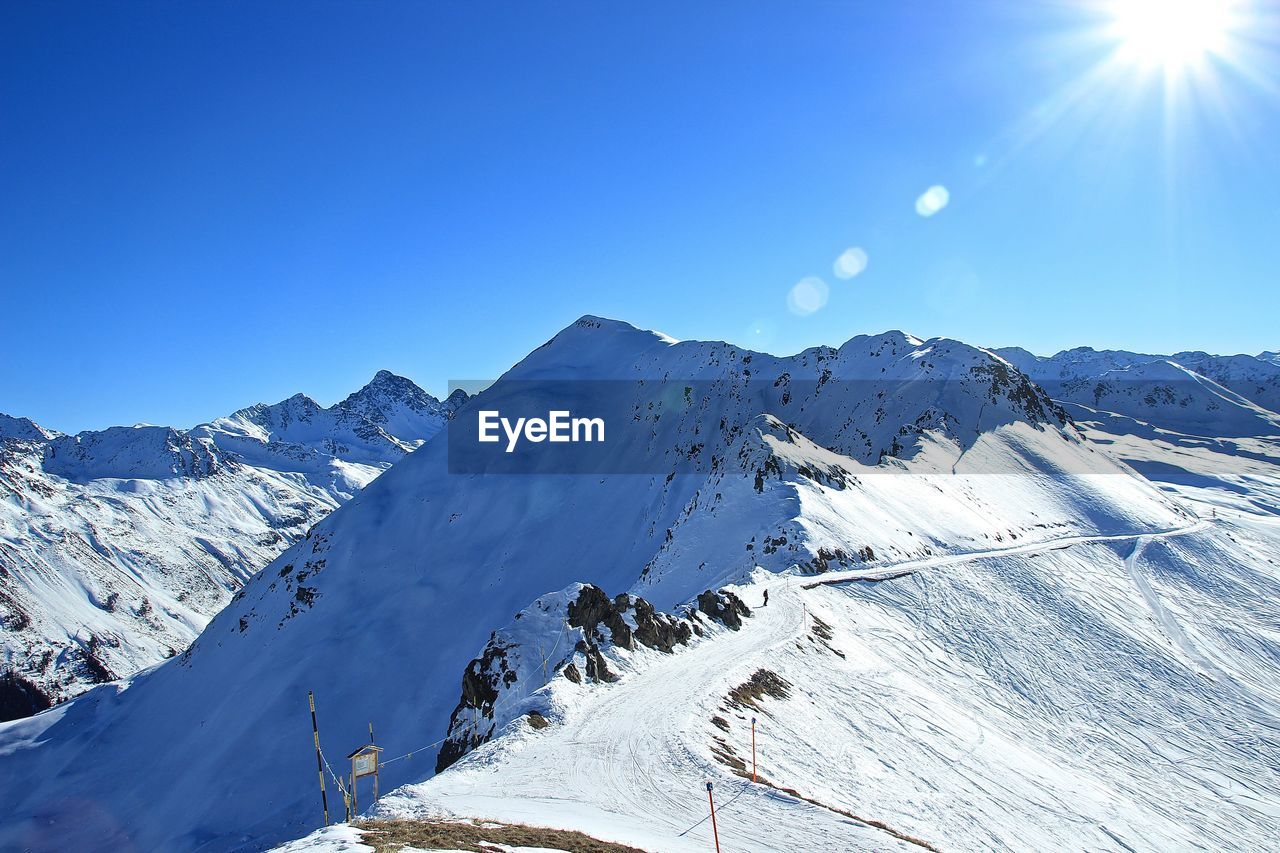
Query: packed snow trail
[
  {"x": 638, "y": 761},
  {"x": 633, "y": 748},
  {"x": 1166, "y": 621},
  {"x": 908, "y": 566}
]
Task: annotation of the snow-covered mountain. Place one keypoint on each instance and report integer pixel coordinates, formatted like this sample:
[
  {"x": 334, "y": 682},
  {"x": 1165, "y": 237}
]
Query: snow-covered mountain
[
  {"x": 1190, "y": 392},
  {"x": 117, "y": 546},
  {"x": 970, "y": 604},
  {"x": 1204, "y": 427}
]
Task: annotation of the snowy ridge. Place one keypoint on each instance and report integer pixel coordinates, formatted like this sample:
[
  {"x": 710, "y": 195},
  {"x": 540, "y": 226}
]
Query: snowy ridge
[
  {"x": 23, "y": 429},
  {"x": 118, "y": 545},
  {"x": 1190, "y": 392},
  {"x": 388, "y": 600},
  {"x": 1203, "y": 426}
]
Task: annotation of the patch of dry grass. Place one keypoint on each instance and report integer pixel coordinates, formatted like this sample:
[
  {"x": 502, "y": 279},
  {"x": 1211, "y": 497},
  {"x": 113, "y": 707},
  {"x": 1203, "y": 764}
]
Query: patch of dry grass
[
  {"x": 762, "y": 683},
  {"x": 391, "y": 836}
]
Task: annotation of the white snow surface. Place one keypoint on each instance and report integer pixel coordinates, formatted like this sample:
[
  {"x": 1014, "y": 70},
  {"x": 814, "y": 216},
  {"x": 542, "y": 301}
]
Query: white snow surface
[
  {"x": 117, "y": 546},
  {"x": 929, "y": 709},
  {"x": 1056, "y": 655}
]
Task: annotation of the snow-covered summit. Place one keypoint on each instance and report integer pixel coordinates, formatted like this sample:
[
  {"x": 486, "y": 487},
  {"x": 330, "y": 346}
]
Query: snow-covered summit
[
  {"x": 137, "y": 452},
  {"x": 400, "y": 407},
  {"x": 23, "y": 429},
  {"x": 376, "y": 425}
]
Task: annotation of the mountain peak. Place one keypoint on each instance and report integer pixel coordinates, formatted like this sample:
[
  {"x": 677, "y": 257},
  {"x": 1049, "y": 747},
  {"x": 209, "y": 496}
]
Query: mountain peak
[
  {"x": 393, "y": 383},
  {"x": 24, "y": 429},
  {"x": 398, "y": 405},
  {"x": 593, "y": 322},
  {"x": 388, "y": 389}
]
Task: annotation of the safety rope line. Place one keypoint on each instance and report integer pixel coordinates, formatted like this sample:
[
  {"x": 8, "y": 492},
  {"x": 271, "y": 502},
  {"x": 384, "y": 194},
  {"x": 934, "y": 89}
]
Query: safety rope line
[
  {"x": 336, "y": 779},
  {"x": 469, "y": 726}
]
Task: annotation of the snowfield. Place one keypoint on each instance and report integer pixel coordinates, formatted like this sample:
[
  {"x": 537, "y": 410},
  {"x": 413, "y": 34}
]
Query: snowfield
[
  {"x": 915, "y": 702},
  {"x": 983, "y": 630}
]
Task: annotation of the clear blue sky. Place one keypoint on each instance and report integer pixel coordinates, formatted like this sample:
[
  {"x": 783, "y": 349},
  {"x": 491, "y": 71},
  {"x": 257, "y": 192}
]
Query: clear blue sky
[{"x": 204, "y": 205}]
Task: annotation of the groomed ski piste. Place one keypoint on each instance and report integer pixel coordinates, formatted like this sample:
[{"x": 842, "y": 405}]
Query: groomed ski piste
[{"x": 917, "y": 707}]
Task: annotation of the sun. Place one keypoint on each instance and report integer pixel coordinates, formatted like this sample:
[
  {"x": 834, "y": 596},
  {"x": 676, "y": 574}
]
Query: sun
[{"x": 1172, "y": 34}]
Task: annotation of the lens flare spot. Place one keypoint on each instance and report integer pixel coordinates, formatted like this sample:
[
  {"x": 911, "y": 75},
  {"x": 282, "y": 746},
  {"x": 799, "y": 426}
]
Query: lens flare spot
[
  {"x": 932, "y": 200},
  {"x": 850, "y": 263},
  {"x": 807, "y": 296}
]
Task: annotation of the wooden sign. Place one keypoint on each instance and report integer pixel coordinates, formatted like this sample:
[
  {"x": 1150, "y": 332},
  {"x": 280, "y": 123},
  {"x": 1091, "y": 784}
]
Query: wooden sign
[{"x": 365, "y": 764}]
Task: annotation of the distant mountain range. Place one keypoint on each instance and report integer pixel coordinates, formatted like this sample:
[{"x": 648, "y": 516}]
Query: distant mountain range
[
  {"x": 1190, "y": 392},
  {"x": 118, "y": 545}
]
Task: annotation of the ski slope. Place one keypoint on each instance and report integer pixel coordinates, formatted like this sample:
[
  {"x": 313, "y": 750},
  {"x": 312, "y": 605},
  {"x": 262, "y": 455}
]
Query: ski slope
[{"x": 628, "y": 761}]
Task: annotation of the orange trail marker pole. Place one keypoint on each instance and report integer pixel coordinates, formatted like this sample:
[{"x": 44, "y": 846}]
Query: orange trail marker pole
[
  {"x": 753, "y": 749},
  {"x": 715, "y": 832}
]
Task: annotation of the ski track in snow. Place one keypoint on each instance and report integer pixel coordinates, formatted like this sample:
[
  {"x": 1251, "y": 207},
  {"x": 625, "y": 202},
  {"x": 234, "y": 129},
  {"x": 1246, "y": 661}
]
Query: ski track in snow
[
  {"x": 633, "y": 750},
  {"x": 1207, "y": 663},
  {"x": 1166, "y": 621}
]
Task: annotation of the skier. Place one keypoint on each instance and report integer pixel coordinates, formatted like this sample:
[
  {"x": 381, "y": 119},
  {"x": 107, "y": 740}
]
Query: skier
[{"x": 766, "y": 598}]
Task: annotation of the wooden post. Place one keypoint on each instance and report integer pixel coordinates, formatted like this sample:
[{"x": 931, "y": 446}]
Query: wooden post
[
  {"x": 753, "y": 749},
  {"x": 377, "y": 768},
  {"x": 714, "y": 831},
  {"x": 315, "y": 735}
]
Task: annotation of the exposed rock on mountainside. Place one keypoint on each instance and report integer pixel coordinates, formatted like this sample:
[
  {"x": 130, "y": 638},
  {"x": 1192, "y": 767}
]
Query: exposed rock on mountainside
[{"x": 498, "y": 686}]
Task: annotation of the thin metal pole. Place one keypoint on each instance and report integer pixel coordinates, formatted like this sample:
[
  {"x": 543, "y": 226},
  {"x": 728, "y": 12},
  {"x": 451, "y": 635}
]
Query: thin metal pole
[
  {"x": 753, "y": 749},
  {"x": 315, "y": 734},
  {"x": 714, "y": 831}
]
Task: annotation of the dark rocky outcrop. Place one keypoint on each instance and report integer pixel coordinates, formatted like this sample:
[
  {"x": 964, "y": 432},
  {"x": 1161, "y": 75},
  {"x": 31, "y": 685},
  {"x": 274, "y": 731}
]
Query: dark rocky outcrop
[
  {"x": 482, "y": 681},
  {"x": 20, "y": 698},
  {"x": 724, "y": 607},
  {"x": 599, "y": 623},
  {"x": 652, "y": 629}
]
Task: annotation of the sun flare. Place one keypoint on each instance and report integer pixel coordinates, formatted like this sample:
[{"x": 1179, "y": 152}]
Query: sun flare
[{"x": 1172, "y": 34}]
